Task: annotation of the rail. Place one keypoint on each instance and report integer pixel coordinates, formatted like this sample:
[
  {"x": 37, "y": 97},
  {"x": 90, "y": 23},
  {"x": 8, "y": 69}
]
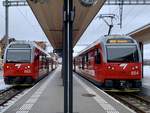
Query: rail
[
  {"x": 8, "y": 94},
  {"x": 135, "y": 102}
]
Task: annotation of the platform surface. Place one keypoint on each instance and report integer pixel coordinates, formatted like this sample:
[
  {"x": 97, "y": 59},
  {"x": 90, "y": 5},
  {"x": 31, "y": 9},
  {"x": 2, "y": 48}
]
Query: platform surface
[{"x": 47, "y": 97}]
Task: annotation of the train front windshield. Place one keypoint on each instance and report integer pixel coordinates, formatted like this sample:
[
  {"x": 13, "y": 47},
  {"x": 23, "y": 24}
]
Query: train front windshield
[
  {"x": 18, "y": 56},
  {"x": 122, "y": 54}
]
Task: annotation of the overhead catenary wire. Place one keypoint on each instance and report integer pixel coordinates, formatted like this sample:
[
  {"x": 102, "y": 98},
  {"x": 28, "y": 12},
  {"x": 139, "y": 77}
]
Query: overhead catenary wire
[
  {"x": 134, "y": 16},
  {"x": 27, "y": 20},
  {"x": 2, "y": 17},
  {"x": 127, "y": 14}
]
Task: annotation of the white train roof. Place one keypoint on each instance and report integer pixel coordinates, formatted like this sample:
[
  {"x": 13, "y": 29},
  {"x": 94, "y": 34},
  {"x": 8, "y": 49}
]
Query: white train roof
[
  {"x": 31, "y": 43},
  {"x": 104, "y": 39}
]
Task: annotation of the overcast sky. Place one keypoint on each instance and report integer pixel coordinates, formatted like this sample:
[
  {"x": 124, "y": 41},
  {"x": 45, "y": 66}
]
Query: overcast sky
[{"x": 24, "y": 26}]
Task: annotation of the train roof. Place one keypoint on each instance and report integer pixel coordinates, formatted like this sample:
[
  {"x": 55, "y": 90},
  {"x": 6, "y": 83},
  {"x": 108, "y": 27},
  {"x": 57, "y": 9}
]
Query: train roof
[
  {"x": 104, "y": 39},
  {"x": 30, "y": 43}
]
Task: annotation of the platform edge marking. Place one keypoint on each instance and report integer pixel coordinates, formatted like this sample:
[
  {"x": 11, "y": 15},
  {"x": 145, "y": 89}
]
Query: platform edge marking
[
  {"x": 132, "y": 111},
  {"x": 104, "y": 104},
  {"x": 19, "y": 97},
  {"x": 39, "y": 91}
]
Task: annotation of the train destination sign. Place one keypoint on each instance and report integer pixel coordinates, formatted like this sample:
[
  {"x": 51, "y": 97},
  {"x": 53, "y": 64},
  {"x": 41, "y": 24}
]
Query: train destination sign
[{"x": 119, "y": 41}]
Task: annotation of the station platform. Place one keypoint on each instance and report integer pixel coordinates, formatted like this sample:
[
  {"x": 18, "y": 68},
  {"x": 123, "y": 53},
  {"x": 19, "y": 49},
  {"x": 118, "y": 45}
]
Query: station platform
[{"x": 47, "y": 97}]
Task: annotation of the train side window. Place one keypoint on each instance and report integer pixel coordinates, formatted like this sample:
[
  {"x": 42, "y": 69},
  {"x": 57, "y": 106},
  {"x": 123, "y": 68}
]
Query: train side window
[
  {"x": 43, "y": 58},
  {"x": 97, "y": 56},
  {"x": 40, "y": 58},
  {"x": 87, "y": 57},
  {"x": 83, "y": 62},
  {"x": 80, "y": 62}
]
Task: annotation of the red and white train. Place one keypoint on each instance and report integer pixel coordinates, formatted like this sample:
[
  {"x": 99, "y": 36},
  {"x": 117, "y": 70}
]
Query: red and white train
[
  {"x": 113, "y": 62},
  {"x": 25, "y": 63}
]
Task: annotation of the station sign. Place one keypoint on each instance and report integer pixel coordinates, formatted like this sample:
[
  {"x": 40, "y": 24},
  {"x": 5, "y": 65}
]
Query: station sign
[{"x": 88, "y": 3}]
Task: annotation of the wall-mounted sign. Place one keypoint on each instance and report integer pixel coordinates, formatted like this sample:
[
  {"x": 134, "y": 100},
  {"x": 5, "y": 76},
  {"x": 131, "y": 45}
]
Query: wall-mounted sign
[{"x": 88, "y": 3}]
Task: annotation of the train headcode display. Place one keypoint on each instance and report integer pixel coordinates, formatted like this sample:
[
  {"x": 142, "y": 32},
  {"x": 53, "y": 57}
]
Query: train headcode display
[
  {"x": 119, "y": 41},
  {"x": 88, "y": 3}
]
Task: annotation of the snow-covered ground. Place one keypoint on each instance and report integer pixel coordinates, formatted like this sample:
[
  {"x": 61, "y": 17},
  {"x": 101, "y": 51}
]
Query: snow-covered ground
[
  {"x": 146, "y": 79},
  {"x": 2, "y": 84},
  {"x": 147, "y": 71}
]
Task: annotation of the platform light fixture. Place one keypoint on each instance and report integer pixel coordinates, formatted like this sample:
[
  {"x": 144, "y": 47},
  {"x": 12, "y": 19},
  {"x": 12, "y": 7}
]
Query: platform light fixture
[{"x": 88, "y": 3}]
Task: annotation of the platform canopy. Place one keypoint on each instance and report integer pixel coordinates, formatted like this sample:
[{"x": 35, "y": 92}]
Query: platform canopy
[
  {"x": 50, "y": 16},
  {"x": 142, "y": 34}
]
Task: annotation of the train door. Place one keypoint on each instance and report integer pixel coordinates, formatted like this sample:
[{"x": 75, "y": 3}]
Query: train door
[
  {"x": 36, "y": 62},
  {"x": 74, "y": 64},
  {"x": 141, "y": 49},
  {"x": 98, "y": 62},
  {"x": 47, "y": 64},
  {"x": 41, "y": 64},
  {"x": 83, "y": 62},
  {"x": 80, "y": 63},
  {"x": 91, "y": 63},
  {"x": 97, "y": 56}
]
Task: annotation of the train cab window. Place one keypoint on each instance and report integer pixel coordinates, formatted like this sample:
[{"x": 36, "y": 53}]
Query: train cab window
[
  {"x": 122, "y": 53},
  {"x": 97, "y": 56},
  {"x": 18, "y": 55}
]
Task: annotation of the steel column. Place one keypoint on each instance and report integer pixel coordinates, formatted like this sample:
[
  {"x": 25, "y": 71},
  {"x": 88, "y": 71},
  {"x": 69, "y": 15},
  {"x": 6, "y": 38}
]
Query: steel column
[
  {"x": 68, "y": 30},
  {"x": 65, "y": 59},
  {"x": 70, "y": 50},
  {"x": 6, "y": 22}
]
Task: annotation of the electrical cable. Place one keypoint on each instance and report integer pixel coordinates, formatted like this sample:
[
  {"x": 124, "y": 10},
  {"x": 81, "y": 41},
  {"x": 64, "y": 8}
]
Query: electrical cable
[{"x": 27, "y": 20}]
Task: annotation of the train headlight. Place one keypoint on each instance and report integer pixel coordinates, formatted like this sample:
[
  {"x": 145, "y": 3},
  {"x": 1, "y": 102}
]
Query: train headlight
[
  {"x": 133, "y": 68},
  {"x": 136, "y": 67},
  {"x": 7, "y": 66},
  {"x": 28, "y": 67},
  {"x": 109, "y": 67}
]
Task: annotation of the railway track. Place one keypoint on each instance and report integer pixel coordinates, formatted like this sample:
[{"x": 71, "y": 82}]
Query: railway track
[
  {"x": 135, "y": 102},
  {"x": 8, "y": 94}
]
